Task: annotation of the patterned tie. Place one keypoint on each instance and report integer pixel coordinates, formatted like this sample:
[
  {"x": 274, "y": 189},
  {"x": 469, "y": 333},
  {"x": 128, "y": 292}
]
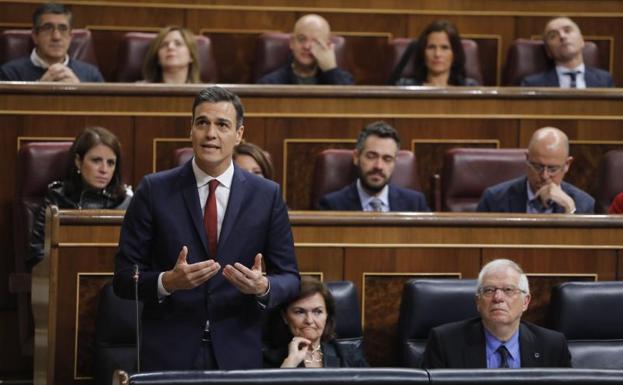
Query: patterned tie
[
  {"x": 504, "y": 354},
  {"x": 376, "y": 204},
  {"x": 572, "y": 75},
  {"x": 209, "y": 217}
]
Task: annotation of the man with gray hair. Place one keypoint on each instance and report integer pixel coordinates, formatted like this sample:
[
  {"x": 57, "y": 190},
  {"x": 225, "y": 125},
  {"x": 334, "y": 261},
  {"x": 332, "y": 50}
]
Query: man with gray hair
[
  {"x": 542, "y": 190},
  {"x": 498, "y": 338},
  {"x": 375, "y": 158},
  {"x": 564, "y": 44}
]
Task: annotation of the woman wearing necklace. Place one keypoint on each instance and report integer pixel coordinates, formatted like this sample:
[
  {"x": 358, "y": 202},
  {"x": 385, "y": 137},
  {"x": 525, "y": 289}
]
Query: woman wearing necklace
[{"x": 310, "y": 319}]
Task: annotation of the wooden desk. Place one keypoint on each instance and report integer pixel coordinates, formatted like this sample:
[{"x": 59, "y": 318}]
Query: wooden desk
[{"x": 378, "y": 252}]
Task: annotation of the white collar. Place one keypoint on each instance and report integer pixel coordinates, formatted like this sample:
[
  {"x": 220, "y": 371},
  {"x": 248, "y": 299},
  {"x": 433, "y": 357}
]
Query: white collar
[
  {"x": 561, "y": 70},
  {"x": 202, "y": 178},
  {"x": 39, "y": 62}
]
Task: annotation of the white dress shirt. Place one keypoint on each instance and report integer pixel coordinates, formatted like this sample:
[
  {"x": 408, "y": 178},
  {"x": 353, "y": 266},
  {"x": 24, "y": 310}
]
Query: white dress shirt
[
  {"x": 365, "y": 198},
  {"x": 565, "y": 80}
]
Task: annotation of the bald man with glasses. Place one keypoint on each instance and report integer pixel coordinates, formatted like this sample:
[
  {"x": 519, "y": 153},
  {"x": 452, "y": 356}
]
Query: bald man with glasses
[
  {"x": 49, "y": 60},
  {"x": 498, "y": 338},
  {"x": 542, "y": 190}
]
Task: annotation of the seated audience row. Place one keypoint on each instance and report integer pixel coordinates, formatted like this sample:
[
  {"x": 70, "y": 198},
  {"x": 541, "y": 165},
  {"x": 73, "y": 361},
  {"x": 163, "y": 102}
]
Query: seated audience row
[
  {"x": 542, "y": 190},
  {"x": 437, "y": 56}
]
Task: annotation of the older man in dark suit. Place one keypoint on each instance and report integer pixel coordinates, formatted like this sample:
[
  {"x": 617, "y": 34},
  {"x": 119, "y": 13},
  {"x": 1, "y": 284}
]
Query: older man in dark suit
[
  {"x": 375, "y": 159},
  {"x": 564, "y": 43},
  {"x": 542, "y": 190},
  {"x": 198, "y": 235},
  {"x": 498, "y": 338}
]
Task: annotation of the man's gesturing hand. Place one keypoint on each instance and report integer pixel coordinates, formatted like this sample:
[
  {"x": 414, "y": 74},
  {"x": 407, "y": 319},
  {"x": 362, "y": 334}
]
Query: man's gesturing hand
[
  {"x": 248, "y": 281},
  {"x": 186, "y": 276}
]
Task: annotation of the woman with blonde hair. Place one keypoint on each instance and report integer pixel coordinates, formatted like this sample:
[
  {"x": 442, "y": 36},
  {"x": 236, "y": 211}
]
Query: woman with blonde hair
[{"x": 172, "y": 58}]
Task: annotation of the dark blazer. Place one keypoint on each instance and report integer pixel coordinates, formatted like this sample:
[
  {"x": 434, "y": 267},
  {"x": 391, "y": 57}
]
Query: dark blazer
[
  {"x": 462, "y": 344},
  {"x": 594, "y": 77},
  {"x": 164, "y": 215},
  {"x": 285, "y": 75},
  {"x": 334, "y": 355},
  {"x": 347, "y": 199},
  {"x": 23, "y": 70},
  {"x": 511, "y": 197}
]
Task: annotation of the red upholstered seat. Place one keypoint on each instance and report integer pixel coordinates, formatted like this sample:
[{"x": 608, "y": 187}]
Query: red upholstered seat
[
  {"x": 526, "y": 57},
  {"x": 610, "y": 180},
  {"x": 334, "y": 170},
  {"x": 467, "y": 172},
  {"x": 38, "y": 164},
  {"x": 398, "y": 46},
  {"x": 133, "y": 49},
  {"x": 273, "y": 51},
  {"x": 16, "y": 43}
]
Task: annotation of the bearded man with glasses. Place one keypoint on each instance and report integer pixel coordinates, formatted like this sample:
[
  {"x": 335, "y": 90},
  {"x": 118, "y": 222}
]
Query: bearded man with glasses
[
  {"x": 49, "y": 61},
  {"x": 542, "y": 190},
  {"x": 498, "y": 338}
]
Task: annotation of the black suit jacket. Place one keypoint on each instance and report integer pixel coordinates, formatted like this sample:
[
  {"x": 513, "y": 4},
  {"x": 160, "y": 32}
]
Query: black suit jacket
[
  {"x": 347, "y": 199},
  {"x": 334, "y": 355},
  {"x": 462, "y": 345},
  {"x": 511, "y": 197},
  {"x": 594, "y": 77}
]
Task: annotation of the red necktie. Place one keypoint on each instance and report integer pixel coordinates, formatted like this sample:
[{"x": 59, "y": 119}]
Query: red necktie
[{"x": 209, "y": 217}]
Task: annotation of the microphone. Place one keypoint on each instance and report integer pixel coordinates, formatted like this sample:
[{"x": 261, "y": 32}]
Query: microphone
[{"x": 138, "y": 334}]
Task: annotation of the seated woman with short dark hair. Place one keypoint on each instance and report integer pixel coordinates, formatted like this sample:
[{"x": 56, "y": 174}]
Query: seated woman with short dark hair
[
  {"x": 250, "y": 157},
  {"x": 93, "y": 181},
  {"x": 310, "y": 318}
]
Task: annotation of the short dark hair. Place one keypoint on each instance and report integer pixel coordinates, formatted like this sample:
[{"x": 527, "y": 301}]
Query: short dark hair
[
  {"x": 54, "y": 8},
  {"x": 86, "y": 140},
  {"x": 217, "y": 94},
  {"x": 380, "y": 129},
  {"x": 258, "y": 154},
  {"x": 309, "y": 287},
  {"x": 457, "y": 69}
]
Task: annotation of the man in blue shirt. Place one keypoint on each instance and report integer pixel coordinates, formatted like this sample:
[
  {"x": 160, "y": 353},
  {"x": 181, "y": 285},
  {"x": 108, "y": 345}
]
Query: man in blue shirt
[
  {"x": 49, "y": 61},
  {"x": 498, "y": 338}
]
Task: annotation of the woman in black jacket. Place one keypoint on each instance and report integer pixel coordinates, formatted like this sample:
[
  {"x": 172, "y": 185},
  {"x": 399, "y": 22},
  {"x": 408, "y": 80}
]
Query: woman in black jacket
[
  {"x": 93, "y": 181},
  {"x": 310, "y": 318}
]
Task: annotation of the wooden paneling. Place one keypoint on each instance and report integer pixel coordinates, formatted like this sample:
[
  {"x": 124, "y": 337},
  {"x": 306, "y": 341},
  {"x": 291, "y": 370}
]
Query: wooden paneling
[{"x": 377, "y": 252}]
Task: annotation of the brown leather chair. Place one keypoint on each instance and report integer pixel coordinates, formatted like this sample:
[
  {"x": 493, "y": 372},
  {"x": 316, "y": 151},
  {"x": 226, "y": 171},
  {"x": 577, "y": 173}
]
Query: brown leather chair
[
  {"x": 273, "y": 50},
  {"x": 133, "y": 49},
  {"x": 467, "y": 172},
  {"x": 38, "y": 164},
  {"x": 526, "y": 57},
  {"x": 17, "y": 43},
  {"x": 610, "y": 181},
  {"x": 334, "y": 170},
  {"x": 398, "y": 46}
]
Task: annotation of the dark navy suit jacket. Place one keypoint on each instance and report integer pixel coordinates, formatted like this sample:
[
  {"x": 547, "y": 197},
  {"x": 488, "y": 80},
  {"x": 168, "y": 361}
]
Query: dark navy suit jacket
[
  {"x": 347, "y": 199},
  {"x": 164, "y": 215},
  {"x": 594, "y": 77},
  {"x": 511, "y": 197},
  {"x": 461, "y": 344}
]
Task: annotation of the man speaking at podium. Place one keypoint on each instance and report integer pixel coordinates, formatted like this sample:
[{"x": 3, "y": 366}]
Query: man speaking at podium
[{"x": 199, "y": 235}]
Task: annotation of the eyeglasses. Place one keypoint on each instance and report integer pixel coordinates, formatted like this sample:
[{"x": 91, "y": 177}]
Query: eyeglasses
[
  {"x": 539, "y": 168},
  {"x": 508, "y": 291},
  {"x": 49, "y": 28}
]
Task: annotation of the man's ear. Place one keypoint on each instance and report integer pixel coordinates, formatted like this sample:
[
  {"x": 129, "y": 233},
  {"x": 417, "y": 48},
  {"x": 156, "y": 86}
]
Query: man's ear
[{"x": 356, "y": 157}]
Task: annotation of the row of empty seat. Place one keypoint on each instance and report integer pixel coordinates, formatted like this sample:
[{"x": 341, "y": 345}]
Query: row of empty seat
[{"x": 524, "y": 57}]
